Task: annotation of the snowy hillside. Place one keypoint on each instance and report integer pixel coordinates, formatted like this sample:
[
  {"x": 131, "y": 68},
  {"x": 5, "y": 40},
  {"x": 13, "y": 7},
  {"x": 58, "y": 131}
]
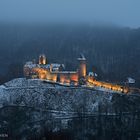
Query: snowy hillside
[
  {"x": 37, "y": 94},
  {"x": 28, "y": 105}
]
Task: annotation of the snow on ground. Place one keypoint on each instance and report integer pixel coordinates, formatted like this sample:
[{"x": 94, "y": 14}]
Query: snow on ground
[
  {"x": 36, "y": 93},
  {"x": 23, "y": 82},
  {"x": 3, "y": 95}
]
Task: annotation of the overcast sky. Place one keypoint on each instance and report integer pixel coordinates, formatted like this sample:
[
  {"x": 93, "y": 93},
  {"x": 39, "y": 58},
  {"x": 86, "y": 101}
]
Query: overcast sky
[{"x": 120, "y": 12}]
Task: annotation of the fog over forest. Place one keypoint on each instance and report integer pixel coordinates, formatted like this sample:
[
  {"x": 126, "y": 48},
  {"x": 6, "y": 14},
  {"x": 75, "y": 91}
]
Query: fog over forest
[
  {"x": 119, "y": 12},
  {"x": 106, "y": 32},
  {"x": 112, "y": 52}
]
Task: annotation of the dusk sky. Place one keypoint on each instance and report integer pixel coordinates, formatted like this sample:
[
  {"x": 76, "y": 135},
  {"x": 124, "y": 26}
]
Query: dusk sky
[{"x": 118, "y": 12}]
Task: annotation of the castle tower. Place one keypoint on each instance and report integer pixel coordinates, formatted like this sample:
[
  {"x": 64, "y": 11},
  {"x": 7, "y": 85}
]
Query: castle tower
[
  {"x": 42, "y": 59},
  {"x": 82, "y": 66}
]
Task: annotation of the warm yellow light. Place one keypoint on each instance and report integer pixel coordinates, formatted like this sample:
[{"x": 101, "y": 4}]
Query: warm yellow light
[{"x": 107, "y": 85}]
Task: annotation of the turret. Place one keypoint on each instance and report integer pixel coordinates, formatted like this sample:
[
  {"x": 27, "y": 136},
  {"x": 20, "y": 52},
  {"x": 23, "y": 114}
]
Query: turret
[
  {"x": 82, "y": 67},
  {"x": 42, "y": 59}
]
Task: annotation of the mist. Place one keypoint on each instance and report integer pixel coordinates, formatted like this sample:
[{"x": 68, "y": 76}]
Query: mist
[{"x": 118, "y": 12}]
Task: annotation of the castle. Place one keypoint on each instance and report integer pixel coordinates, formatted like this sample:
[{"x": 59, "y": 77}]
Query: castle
[{"x": 55, "y": 72}]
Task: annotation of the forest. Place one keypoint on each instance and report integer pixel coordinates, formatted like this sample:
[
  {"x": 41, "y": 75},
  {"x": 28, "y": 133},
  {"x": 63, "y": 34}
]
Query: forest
[{"x": 111, "y": 51}]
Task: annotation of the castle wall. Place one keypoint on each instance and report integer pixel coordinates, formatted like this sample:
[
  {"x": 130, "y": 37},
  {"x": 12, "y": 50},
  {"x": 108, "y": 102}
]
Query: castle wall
[
  {"x": 51, "y": 77},
  {"x": 68, "y": 77}
]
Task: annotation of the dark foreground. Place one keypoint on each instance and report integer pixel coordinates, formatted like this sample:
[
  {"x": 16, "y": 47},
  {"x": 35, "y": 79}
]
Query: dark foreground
[{"x": 17, "y": 125}]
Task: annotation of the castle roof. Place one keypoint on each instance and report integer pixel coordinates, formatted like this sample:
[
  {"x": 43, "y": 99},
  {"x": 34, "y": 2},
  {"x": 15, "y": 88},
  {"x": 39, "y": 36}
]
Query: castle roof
[{"x": 82, "y": 57}]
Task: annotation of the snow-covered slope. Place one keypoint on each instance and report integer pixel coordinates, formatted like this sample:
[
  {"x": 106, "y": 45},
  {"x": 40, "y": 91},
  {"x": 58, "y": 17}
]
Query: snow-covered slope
[
  {"x": 36, "y": 93},
  {"x": 27, "y": 105}
]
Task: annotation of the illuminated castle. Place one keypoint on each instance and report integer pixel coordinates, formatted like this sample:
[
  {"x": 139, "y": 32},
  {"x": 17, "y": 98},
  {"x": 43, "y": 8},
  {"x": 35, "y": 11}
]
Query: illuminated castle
[{"x": 55, "y": 72}]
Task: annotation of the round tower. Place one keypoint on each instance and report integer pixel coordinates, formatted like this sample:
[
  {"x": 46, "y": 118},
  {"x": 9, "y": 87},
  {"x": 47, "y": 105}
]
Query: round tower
[
  {"x": 42, "y": 59},
  {"x": 82, "y": 67}
]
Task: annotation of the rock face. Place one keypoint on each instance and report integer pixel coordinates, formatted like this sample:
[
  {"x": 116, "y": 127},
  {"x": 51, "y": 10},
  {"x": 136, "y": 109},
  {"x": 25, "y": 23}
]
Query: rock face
[{"x": 34, "y": 107}]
